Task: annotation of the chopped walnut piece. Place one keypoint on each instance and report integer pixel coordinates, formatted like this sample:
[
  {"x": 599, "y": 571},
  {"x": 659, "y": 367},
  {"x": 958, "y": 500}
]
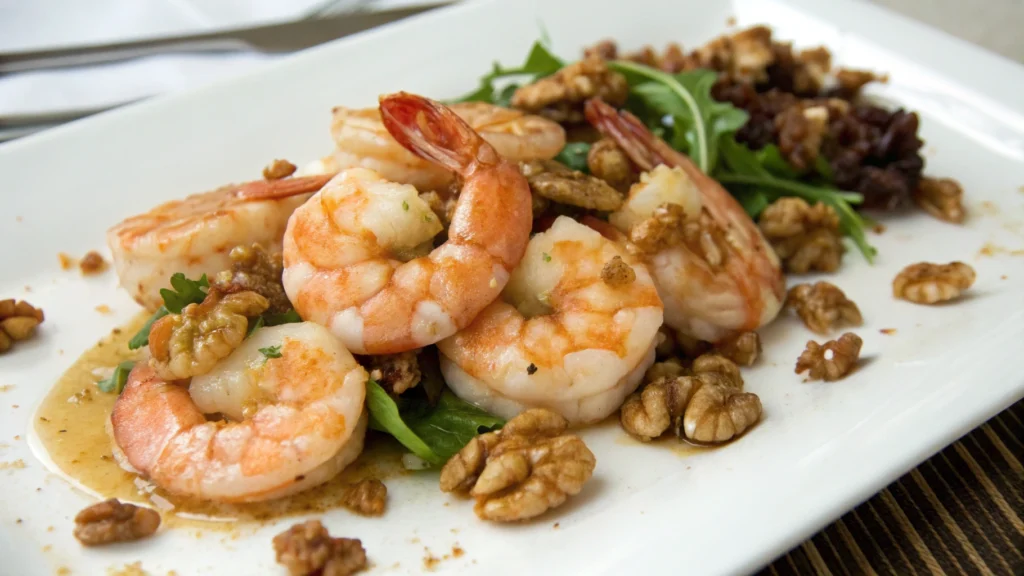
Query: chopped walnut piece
[
  {"x": 605, "y": 50},
  {"x": 805, "y": 237},
  {"x": 743, "y": 348},
  {"x": 278, "y": 169},
  {"x": 607, "y": 161},
  {"x": 743, "y": 56},
  {"x": 667, "y": 369},
  {"x": 851, "y": 81},
  {"x": 704, "y": 407},
  {"x": 927, "y": 283},
  {"x": 307, "y": 549},
  {"x": 111, "y": 521},
  {"x": 800, "y": 131},
  {"x": 522, "y": 470},
  {"x": 560, "y": 97},
  {"x": 366, "y": 497},
  {"x": 616, "y": 273},
  {"x": 942, "y": 198},
  {"x": 396, "y": 373},
  {"x": 18, "y": 321},
  {"x": 255, "y": 269},
  {"x": 832, "y": 360},
  {"x": 718, "y": 364},
  {"x": 823, "y": 306},
  {"x": 191, "y": 343},
  {"x": 558, "y": 183},
  {"x": 662, "y": 230},
  {"x": 92, "y": 263}
]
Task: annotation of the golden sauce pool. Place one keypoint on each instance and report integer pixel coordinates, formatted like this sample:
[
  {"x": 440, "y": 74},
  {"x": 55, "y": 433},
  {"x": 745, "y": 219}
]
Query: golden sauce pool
[{"x": 72, "y": 426}]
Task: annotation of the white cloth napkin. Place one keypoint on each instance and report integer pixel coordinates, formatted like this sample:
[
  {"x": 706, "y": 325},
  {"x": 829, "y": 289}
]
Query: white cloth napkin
[{"x": 43, "y": 24}]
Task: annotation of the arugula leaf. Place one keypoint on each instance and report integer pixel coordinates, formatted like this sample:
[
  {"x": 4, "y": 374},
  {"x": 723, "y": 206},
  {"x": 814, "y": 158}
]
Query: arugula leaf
[
  {"x": 141, "y": 337},
  {"x": 116, "y": 381},
  {"x": 771, "y": 158},
  {"x": 433, "y": 433},
  {"x": 574, "y": 155},
  {"x": 539, "y": 63},
  {"x": 185, "y": 292},
  {"x": 254, "y": 325}
]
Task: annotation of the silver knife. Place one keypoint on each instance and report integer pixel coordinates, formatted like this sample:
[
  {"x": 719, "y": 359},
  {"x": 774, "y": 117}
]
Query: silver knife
[{"x": 274, "y": 38}]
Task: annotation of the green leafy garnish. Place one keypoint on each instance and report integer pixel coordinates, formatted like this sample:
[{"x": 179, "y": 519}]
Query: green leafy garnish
[
  {"x": 141, "y": 337},
  {"x": 184, "y": 292},
  {"x": 117, "y": 380},
  {"x": 255, "y": 325},
  {"x": 546, "y": 256},
  {"x": 539, "y": 63},
  {"x": 405, "y": 205},
  {"x": 271, "y": 352},
  {"x": 288, "y": 317},
  {"x": 433, "y": 433},
  {"x": 574, "y": 155}
]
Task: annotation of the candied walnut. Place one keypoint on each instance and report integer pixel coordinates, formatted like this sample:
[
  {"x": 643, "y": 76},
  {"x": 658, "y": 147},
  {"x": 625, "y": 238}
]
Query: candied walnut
[
  {"x": 111, "y": 521},
  {"x": 743, "y": 348},
  {"x": 667, "y": 369},
  {"x": 605, "y": 50},
  {"x": 704, "y": 407},
  {"x": 805, "y": 237},
  {"x": 942, "y": 198},
  {"x": 671, "y": 60},
  {"x": 823, "y": 306},
  {"x": 560, "y": 97},
  {"x": 607, "y": 161},
  {"x": 718, "y": 364},
  {"x": 278, "y": 169},
  {"x": 662, "y": 230},
  {"x": 308, "y": 549},
  {"x": 254, "y": 269},
  {"x": 927, "y": 283},
  {"x": 616, "y": 273},
  {"x": 851, "y": 81},
  {"x": 799, "y": 132},
  {"x": 366, "y": 497},
  {"x": 396, "y": 373},
  {"x": 522, "y": 470},
  {"x": 18, "y": 321},
  {"x": 191, "y": 343},
  {"x": 743, "y": 56},
  {"x": 558, "y": 183},
  {"x": 832, "y": 360},
  {"x": 812, "y": 67},
  {"x": 92, "y": 263}
]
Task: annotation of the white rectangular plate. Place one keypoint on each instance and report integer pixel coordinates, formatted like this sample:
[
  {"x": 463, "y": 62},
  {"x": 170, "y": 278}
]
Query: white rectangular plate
[{"x": 821, "y": 448}]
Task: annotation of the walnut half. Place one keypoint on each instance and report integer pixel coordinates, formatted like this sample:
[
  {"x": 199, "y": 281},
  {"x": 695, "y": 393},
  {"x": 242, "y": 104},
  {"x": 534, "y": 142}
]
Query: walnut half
[
  {"x": 942, "y": 198},
  {"x": 560, "y": 97},
  {"x": 832, "y": 360},
  {"x": 111, "y": 521},
  {"x": 522, "y": 470},
  {"x": 805, "y": 237},
  {"x": 306, "y": 549},
  {"x": 18, "y": 321},
  {"x": 927, "y": 283},
  {"x": 823, "y": 306},
  {"x": 366, "y": 498}
]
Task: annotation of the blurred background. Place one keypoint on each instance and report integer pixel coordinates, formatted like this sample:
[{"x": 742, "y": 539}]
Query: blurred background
[{"x": 38, "y": 90}]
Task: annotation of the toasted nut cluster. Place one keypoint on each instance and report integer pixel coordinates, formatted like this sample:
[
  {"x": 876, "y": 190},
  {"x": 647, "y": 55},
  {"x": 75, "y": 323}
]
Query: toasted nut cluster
[
  {"x": 942, "y": 198},
  {"x": 396, "y": 373},
  {"x": 560, "y": 97},
  {"x": 278, "y": 169},
  {"x": 832, "y": 360},
  {"x": 823, "y": 306},
  {"x": 92, "y": 263},
  {"x": 927, "y": 283},
  {"x": 190, "y": 344},
  {"x": 616, "y": 273},
  {"x": 704, "y": 407},
  {"x": 556, "y": 182},
  {"x": 111, "y": 521},
  {"x": 366, "y": 497},
  {"x": 608, "y": 162},
  {"x": 307, "y": 549},
  {"x": 254, "y": 269},
  {"x": 522, "y": 470},
  {"x": 662, "y": 230},
  {"x": 800, "y": 131},
  {"x": 743, "y": 348},
  {"x": 18, "y": 321},
  {"x": 443, "y": 206},
  {"x": 805, "y": 237}
]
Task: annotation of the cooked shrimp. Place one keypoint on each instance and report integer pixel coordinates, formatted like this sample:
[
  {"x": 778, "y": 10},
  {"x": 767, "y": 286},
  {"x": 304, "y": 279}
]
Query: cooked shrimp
[
  {"x": 358, "y": 255},
  {"x": 294, "y": 419},
  {"x": 363, "y": 141},
  {"x": 195, "y": 235},
  {"x": 715, "y": 272},
  {"x": 568, "y": 335}
]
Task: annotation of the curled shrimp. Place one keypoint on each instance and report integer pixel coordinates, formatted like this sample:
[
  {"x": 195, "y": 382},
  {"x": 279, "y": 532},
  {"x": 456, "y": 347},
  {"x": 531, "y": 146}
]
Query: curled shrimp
[
  {"x": 195, "y": 235},
  {"x": 363, "y": 141},
  {"x": 294, "y": 419},
  {"x": 574, "y": 331},
  {"x": 358, "y": 255},
  {"x": 720, "y": 276}
]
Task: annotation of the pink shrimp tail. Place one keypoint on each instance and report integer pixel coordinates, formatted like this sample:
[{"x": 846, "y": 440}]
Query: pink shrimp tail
[{"x": 430, "y": 130}]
